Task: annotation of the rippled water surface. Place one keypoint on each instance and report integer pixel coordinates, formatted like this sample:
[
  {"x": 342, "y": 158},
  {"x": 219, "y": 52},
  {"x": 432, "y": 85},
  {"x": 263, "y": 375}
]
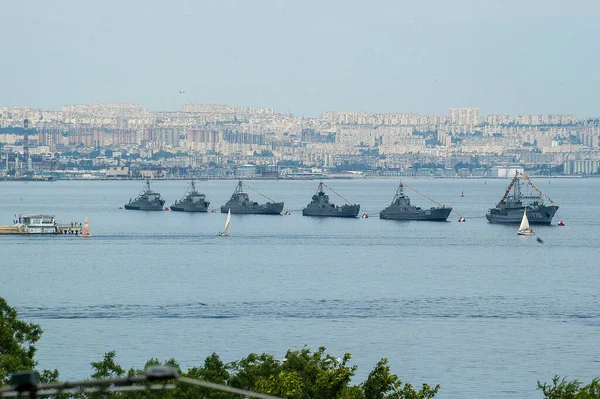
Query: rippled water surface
[{"x": 470, "y": 306}]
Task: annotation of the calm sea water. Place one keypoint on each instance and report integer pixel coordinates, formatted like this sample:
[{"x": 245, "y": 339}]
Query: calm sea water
[{"x": 471, "y": 306}]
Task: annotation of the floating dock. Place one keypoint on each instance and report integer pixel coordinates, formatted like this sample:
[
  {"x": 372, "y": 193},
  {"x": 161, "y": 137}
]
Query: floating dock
[
  {"x": 30, "y": 224},
  {"x": 76, "y": 230}
]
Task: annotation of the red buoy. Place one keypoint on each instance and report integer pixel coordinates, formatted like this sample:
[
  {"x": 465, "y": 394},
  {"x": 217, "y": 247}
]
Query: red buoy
[
  {"x": 561, "y": 223},
  {"x": 166, "y": 209}
]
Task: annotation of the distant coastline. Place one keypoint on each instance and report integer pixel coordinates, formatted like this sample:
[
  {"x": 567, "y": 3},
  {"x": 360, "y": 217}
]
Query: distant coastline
[{"x": 227, "y": 178}]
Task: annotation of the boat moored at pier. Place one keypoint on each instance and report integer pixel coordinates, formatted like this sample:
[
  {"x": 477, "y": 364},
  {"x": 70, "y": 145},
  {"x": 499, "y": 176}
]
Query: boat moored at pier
[{"x": 27, "y": 223}]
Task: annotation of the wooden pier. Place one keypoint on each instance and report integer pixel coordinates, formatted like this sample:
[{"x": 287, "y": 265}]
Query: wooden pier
[
  {"x": 73, "y": 229},
  {"x": 76, "y": 229}
]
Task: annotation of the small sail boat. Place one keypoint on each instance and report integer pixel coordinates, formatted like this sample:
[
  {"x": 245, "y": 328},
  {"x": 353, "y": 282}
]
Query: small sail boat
[
  {"x": 225, "y": 231},
  {"x": 85, "y": 232},
  {"x": 524, "y": 229}
]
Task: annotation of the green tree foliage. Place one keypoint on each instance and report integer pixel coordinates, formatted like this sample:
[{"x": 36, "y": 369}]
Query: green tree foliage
[
  {"x": 470, "y": 165},
  {"x": 107, "y": 367},
  {"x": 563, "y": 389},
  {"x": 214, "y": 370},
  {"x": 252, "y": 370},
  {"x": 303, "y": 374},
  {"x": 382, "y": 384},
  {"x": 17, "y": 342}
]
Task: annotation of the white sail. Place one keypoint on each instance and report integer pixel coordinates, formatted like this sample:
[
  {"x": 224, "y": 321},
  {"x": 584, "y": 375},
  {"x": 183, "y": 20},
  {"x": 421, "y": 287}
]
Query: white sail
[
  {"x": 225, "y": 231},
  {"x": 524, "y": 229},
  {"x": 524, "y": 222}
]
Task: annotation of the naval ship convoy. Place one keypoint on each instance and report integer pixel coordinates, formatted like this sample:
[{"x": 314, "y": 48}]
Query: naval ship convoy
[
  {"x": 510, "y": 209},
  {"x": 148, "y": 200},
  {"x": 240, "y": 203},
  {"x": 401, "y": 209},
  {"x": 320, "y": 206},
  {"x": 192, "y": 202}
]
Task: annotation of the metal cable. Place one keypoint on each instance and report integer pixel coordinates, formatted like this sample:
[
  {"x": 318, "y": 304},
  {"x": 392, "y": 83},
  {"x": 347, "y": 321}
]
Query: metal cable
[
  {"x": 348, "y": 202},
  {"x": 223, "y": 388},
  {"x": 536, "y": 189},
  {"x": 131, "y": 383},
  {"x": 258, "y": 192},
  {"x": 415, "y": 190}
]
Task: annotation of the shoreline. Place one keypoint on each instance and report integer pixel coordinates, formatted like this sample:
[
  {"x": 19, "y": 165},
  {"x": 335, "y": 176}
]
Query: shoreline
[{"x": 205, "y": 178}]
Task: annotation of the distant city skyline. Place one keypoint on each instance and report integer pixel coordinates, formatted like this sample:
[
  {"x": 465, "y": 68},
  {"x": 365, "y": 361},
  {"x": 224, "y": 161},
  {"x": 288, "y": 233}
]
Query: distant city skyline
[{"x": 305, "y": 58}]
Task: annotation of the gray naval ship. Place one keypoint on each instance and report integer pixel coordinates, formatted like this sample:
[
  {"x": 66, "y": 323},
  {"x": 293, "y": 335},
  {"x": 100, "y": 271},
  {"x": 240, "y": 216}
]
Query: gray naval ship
[
  {"x": 240, "y": 203},
  {"x": 510, "y": 208},
  {"x": 320, "y": 206},
  {"x": 401, "y": 209},
  {"x": 148, "y": 200},
  {"x": 192, "y": 202}
]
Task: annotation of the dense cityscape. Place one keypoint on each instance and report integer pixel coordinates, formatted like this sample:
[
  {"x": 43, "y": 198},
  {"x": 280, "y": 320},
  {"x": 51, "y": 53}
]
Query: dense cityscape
[{"x": 125, "y": 140}]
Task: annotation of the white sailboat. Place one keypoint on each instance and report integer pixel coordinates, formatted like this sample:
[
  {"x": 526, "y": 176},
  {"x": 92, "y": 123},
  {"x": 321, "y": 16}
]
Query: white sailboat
[
  {"x": 225, "y": 231},
  {"x": 524, "y": 229}
]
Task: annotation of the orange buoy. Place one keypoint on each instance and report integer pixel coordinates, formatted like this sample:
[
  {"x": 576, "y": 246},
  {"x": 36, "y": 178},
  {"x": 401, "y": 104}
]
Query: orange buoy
[{"x": 85, "y": 231}]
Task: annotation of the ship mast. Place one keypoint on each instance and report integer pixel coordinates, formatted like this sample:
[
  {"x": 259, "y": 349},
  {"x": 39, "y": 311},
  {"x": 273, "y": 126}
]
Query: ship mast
[
  {"x": 399, "y": 192},
  {"x": 238, "y": 188},
  {"x": 512, "y": 183},
  {"x": 147, "y": 189},
  {"x": 517, "y": 192},
  {"x": 320, "y": 188}
]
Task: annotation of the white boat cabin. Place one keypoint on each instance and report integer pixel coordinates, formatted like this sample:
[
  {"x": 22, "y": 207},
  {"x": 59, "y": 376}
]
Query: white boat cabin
[{"x": 40, "y": 224}]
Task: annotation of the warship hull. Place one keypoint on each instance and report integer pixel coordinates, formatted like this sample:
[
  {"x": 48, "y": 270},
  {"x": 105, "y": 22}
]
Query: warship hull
[
  {"x": 148, "y": 200},
  {"x": 345, "y": 211},
  {"x": 434, "y": 214},
  {"x": 539, "y": 215},
  {"x": 137, "y": 206},
  {"x": 189, "y": 207},
  {"x": 271, "y": 208}
]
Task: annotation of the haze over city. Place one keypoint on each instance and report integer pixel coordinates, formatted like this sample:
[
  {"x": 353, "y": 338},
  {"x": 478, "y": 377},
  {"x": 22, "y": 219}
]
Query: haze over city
[
  {"x": 505, "y": 57},
  {"x": 299, "y": 199}
]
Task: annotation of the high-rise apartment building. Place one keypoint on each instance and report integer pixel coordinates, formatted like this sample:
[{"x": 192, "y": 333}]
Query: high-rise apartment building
[{"x": 464, "y": 116}]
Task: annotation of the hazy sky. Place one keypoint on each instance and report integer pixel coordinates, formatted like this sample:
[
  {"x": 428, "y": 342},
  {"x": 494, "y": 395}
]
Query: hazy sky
[{"x": 305, "y": 56}]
